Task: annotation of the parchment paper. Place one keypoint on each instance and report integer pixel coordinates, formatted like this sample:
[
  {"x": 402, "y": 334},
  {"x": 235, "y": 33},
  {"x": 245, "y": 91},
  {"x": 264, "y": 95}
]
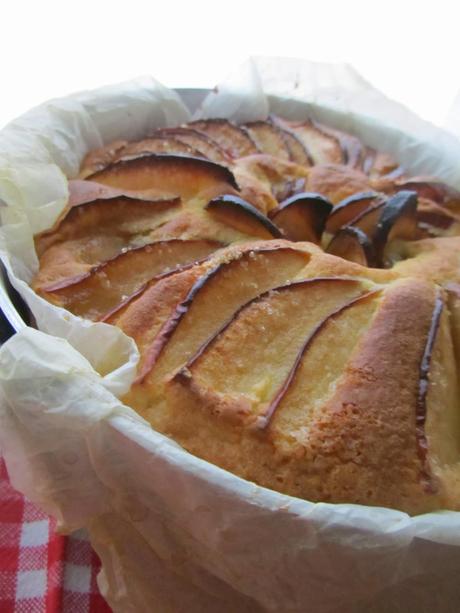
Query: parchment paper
[
  {"x": 174, "y": 532},
  {"x": 452, "y": 122}
]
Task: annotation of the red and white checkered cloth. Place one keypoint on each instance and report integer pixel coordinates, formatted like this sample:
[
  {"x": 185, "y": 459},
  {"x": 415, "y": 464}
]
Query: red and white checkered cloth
[{"x": 41, "y": 571}]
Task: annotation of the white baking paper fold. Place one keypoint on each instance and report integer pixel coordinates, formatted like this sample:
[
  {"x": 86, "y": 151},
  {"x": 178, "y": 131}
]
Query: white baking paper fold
[
  {"x": 174, "y": 532},
  {"x": 452, "y": 122}
]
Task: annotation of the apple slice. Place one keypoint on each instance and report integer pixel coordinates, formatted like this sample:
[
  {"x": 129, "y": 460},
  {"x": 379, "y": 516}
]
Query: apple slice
[
  {"x": 377, "y": 164},
  {"x": 398, "y": 220},
  {"x": 432, "y": 189},
  {"x": 100, "y": 158},
  {"x": 421, "y": 407},
  {"x": 172, "y": 173},
  {"x": 95, "y": 232},
  {"x": 410, "y": 308},
  {"x": 197, "y": 140},
  {"x": 349, "y": 208},
  {"x": 434, "y": 220},
  {"x": 385, "y": 221},
  {"x": 156, "y": 144},
  {"x": 237, "y": 277},
  {"x": 302, "y": 217},
  {"x": 299, "y": 154},
  {"x": 353, "y": 151},
  {"x": 368, "y": 219},
  {"x": 242, "y": 216},
  {"x": 250, "y": 358},
  {"x": 233, "y": 140},
  {"x": 340, "y": 327},
  {"x": 354, "y": 245},
  {"x": 323, "y": 146},
  {"x": 142, "y": 316},
  {"x": 368, "y": 161},
  {"x": 106, "y": 286},
  {"x": 81, "y": 192},
  {"x": 124, "y": 217},
  {"x": 268, "y": 138},
  {"x": 439, "y": 424}
]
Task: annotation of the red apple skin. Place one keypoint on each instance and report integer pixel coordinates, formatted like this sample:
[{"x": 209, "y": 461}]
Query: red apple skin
[
  {"x": 399, "y": 208},
  {"x": 350, "y": 238},
  {"x": 348, "y": 209},
  {"x": 427, "y": 187},
  {"x": 165, "y": 159},
  {"x": 235, "y": 141},
  {"x": 310, "y": 208},
  {"x": 368, "y": 219},
  {"x": 83, "y": 192},
  {"x": 421, "y": 408},
  {"x": 200, "y": 141},
  {"x": 231, "y": 202},
  {"x": 54, "y": 287}
]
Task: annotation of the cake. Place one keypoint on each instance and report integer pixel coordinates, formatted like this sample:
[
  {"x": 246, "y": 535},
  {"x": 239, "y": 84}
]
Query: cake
[{"x": 295, "y": 299}]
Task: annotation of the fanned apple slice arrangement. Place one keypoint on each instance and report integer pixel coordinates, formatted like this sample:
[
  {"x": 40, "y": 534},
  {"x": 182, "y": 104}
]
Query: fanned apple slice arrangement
[
  {"x": 308, "y": 180},
  {"x": 237, "y": 256},
  {"x": 240, "y": 372}
]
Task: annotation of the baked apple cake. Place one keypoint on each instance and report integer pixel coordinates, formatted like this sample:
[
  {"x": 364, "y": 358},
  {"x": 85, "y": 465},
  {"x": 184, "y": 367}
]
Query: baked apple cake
[{"x": 295, "y": 298}]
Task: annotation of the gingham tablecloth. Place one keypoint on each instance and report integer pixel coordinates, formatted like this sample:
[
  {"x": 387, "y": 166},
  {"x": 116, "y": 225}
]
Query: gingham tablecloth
[{"x": 41, "y": 571}]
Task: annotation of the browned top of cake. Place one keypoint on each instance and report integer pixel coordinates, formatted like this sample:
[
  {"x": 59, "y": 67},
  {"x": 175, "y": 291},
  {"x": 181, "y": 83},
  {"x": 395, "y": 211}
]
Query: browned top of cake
[{"x": 295, "y": 298}]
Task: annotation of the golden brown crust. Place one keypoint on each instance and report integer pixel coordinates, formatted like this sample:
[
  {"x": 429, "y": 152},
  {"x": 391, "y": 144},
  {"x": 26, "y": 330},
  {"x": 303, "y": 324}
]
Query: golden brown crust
[
  {"x": 365, "y": 431},
  {"x": 337, "y": 182},
  {"x": 357, "y": 445},
  {"x": 437, "y": 259},
  {"x": 278, "y": 177}
]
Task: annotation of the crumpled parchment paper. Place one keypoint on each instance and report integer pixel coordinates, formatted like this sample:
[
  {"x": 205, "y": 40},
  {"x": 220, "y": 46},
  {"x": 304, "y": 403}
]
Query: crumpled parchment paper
[
  {"x": 452, "y": 120},
  {"x": 174, "y": 532}
]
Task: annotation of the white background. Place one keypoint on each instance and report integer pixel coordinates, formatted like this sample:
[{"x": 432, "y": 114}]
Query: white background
[{"x": 408, "y": 49}]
